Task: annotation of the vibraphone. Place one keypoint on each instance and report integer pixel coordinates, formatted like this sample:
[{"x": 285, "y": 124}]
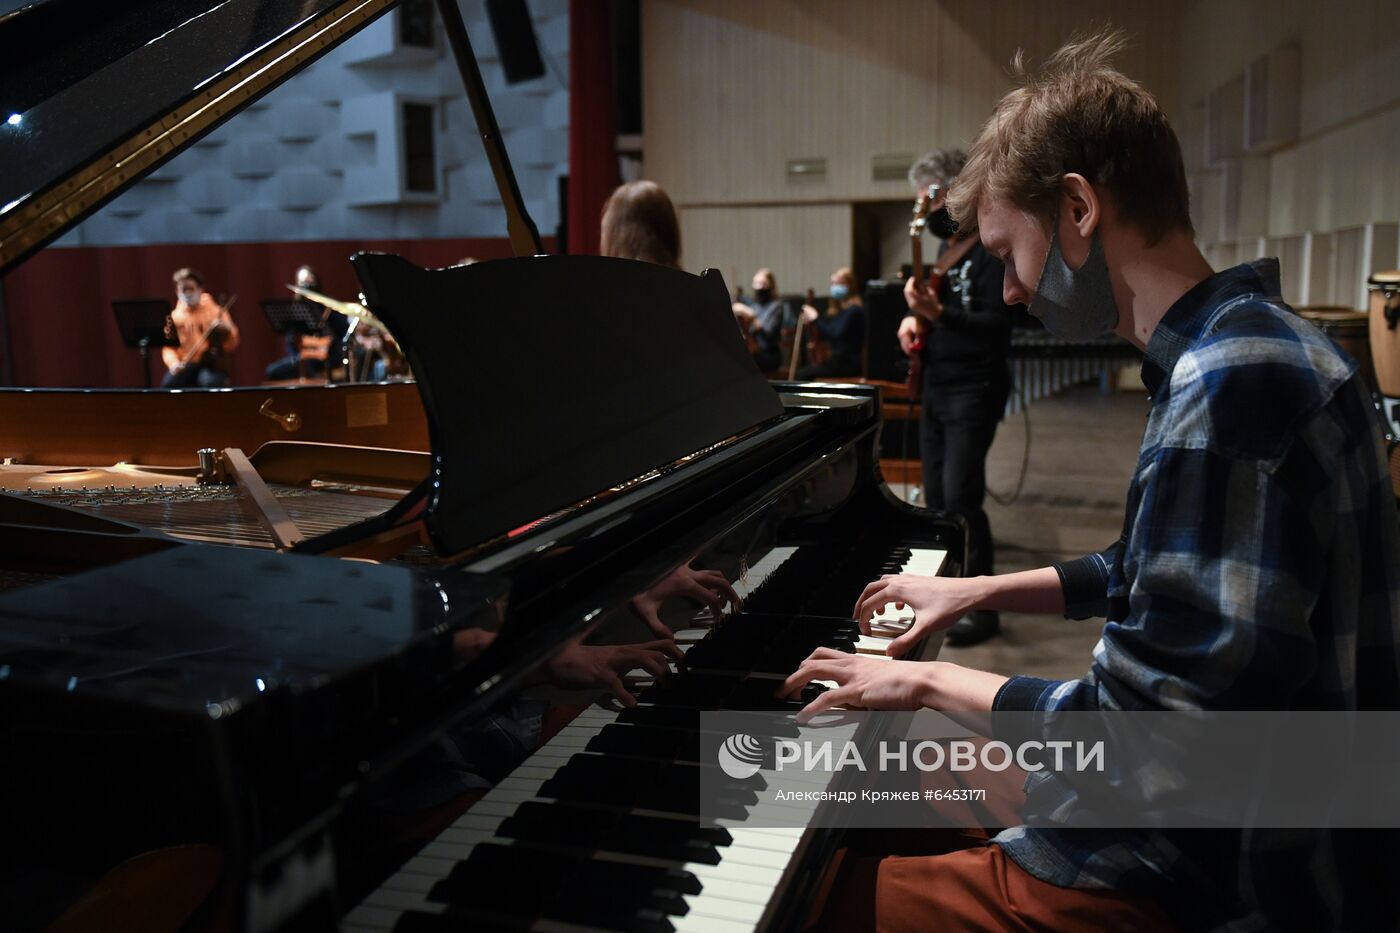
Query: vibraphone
[{"x": 1042, "y": 364}]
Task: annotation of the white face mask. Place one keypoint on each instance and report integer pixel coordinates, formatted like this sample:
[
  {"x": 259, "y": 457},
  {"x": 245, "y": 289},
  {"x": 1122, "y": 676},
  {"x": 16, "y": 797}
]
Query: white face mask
[
  {"x": 1075, "y": 305},
  {"x": 191, "y": 299}
]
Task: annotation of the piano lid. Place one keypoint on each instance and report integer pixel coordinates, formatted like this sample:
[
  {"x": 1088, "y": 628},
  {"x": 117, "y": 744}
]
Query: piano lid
[
  {"x": 204, "y": 630},
  {"x": 547, "y": 380},
  {"x": 94, "y": 96}
]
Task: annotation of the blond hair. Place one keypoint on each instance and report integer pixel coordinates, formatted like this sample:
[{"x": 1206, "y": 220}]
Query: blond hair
[{"x": 1078, "y": 114}]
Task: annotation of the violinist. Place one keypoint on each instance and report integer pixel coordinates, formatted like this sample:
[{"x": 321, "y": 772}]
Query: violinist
[
  {"x": 206, "y": 334},
  {"x": 836, "y": 337}
]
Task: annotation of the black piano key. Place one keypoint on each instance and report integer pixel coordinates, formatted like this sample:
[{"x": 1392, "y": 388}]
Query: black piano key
[
  {"x": 757, "y": 694},
  {"x": 628, "y": 773},
  {"x": 703, "y": 691},
  {"x": 499, "y": 874},
  {"x": 647, "y": 784},
  {"x": 646, "y": 742},
  {"x": 615, "y": 831}
]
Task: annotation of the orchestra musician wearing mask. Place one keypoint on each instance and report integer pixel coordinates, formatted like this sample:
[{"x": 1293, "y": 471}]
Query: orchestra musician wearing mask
[
  {"x": 313, "y": 354},
  {"x": 206, "y": 333},
  {"x": 840, "y": 332},
  {"x": 765, "y": 316}
]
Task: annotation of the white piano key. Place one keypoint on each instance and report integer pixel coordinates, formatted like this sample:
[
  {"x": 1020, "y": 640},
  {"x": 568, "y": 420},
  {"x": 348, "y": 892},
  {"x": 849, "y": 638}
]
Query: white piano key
[
  {"x": 890, "y": 628},
  {"x": 446, "y": 850},
  {"x": 872, "y": 645},
  {"x": 721, "y": 908},
  {"x": 693, "y": 924},
  {"x": 733, "y": 889},
  {"x": 391, "y": 899},
  {"x": 728, "y": 870},
  {"x": 413, "y": 882},
  {"x": 744, "y": 851},
  {"x": 371, "y": 918},
  {"x": 427, "y": 865},
  {"x": 922, "y": 561},
  {"x": 463, "y": 837},
  {"x": 515, "y": 797},
  {"x": 494, "y": 808},
  {"x": 786, "y": 831},
  {"x": 478, "y": 822}
]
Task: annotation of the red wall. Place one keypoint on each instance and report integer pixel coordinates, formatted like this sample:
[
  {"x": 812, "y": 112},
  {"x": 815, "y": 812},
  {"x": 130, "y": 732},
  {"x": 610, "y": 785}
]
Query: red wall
[{"x": 59, "y": 302}]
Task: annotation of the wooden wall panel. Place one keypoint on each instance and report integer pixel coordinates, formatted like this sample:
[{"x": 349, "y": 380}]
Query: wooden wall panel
[
  {"x": 802, "y": 244},
  {"x": 732, "y": 89},
  {"x": 1341, "y": 173},
  {"x": 1344, "y": 178},
  {"x": 60, "y": 300},
  {"x": 1350, "y": 51}
]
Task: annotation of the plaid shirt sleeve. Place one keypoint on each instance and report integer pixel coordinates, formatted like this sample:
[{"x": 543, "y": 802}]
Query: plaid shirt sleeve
[
  {"x": 1223, "y": 588},
  {"x": 1085, "y": 583}
]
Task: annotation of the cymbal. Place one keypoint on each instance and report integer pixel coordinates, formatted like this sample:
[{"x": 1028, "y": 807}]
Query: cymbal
[{"x": 347, "y": 308}]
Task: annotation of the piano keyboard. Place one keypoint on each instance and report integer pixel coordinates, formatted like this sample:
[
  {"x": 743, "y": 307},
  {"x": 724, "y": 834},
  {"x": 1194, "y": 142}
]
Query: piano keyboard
[
  {"x": 599, "y": 829},
  {"x": 646, "y": 864},
  {"x": 888, "y": 622}
]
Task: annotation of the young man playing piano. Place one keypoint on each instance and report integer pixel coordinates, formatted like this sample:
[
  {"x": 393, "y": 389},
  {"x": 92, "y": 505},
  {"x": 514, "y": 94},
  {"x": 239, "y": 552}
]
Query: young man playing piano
[{"x": 1259, "y": 565}]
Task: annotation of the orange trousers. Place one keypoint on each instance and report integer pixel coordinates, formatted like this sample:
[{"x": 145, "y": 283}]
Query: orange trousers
[{"x": 955, "y": 880}]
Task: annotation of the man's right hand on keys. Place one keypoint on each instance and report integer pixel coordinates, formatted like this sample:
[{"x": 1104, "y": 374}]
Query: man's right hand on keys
[{"x": 937, "y": 602}]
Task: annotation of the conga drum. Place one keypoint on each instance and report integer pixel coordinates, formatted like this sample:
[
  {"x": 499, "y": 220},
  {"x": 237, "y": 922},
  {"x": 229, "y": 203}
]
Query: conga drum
[
  {"x": 1347, "y": 328},
  {"x": 1384, "y": 288}
]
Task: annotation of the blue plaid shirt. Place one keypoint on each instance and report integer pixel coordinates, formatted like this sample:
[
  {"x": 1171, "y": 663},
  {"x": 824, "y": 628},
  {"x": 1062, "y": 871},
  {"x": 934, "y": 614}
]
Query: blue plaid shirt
[{"x": 1258, "y": 569}]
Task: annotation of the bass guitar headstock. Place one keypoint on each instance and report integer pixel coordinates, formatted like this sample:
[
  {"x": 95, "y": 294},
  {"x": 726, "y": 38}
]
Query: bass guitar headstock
[{"x": 922, "y": 206}]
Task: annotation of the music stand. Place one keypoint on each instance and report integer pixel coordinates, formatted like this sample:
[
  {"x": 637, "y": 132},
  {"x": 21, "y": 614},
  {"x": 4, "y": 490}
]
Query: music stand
[
  {"x": 296, "y": 317},
  {"x": 145, "y": 323}
]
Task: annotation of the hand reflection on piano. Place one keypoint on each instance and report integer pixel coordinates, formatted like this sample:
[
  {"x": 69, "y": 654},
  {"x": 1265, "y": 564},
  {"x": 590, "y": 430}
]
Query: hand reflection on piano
[
  {"x": 601, "y": 667},
  {"x": 709, "y": 587}
]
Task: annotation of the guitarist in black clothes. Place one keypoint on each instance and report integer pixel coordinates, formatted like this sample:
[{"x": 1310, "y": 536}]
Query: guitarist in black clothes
[{"x": 966, "y": 331}]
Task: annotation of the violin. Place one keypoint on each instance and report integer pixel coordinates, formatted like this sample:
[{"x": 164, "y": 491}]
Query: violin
[{"x": 209, "y": 348}]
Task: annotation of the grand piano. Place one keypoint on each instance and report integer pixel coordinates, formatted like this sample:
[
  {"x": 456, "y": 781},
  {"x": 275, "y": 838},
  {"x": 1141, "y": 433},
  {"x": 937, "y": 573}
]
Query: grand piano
[{"x": 332, "y": 718}]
